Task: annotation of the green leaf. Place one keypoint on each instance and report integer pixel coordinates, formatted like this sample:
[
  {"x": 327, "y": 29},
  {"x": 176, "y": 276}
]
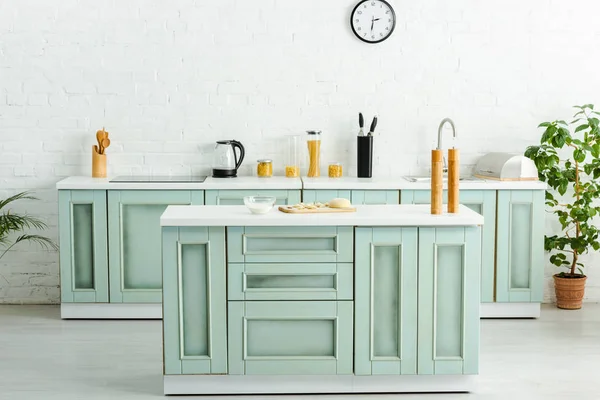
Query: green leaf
[
  {"x": 562, "y": 188},
  {"x": 590, "y": 106},
  {"x": 544, "y": 125},
  {"x": 579, "y": 155},
  {"x": 582, "y": 128}
]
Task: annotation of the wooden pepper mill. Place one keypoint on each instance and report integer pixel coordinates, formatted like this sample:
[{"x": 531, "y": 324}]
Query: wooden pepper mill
[
  {"x": 437, "y": 181},
  {"x": 453, "y": 179},
  {"x": 98, "y": 155}
]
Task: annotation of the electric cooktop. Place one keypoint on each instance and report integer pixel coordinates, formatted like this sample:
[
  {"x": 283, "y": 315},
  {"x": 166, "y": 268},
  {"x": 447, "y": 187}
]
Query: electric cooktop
[{"x": 161, "y": 179}]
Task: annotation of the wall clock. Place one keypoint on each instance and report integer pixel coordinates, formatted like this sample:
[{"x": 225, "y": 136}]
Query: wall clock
[{"x": 373, "y": 21}]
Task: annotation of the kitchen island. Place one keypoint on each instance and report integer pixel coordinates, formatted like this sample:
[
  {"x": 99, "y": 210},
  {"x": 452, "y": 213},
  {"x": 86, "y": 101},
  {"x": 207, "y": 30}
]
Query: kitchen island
[{"x": 382, "y": 300}]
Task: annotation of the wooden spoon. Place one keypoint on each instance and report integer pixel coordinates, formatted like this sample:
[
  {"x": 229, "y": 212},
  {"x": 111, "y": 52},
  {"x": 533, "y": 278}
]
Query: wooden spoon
[{"x": 105, "y": 143}]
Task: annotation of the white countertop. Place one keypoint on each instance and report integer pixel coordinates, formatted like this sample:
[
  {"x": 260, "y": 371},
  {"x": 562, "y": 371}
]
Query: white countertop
[
  {"x": 378, "y": 215},
  {"x": 242, "y": 182},
  {"x": 283, "y": 183},
  {"x": 400, "y": 183}
]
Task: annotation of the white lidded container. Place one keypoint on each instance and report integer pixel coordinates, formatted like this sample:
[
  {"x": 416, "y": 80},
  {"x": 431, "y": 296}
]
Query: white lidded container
[{"x": 506, "y": 167}]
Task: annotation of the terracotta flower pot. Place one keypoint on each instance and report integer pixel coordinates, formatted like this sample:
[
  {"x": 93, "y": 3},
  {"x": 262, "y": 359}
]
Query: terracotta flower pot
[{"x": 569, "y": 292}]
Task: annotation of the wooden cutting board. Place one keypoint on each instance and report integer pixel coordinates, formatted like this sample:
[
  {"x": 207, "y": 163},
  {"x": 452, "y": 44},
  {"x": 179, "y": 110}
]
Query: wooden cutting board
[{"x": 322, "y": 210}]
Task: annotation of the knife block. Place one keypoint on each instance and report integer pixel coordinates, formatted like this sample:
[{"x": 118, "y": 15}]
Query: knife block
[
  {"x": 98, "y": 163},
  {"x": 437, "y": 182},
  {"x": 453, "y": 179},
  {"x": 364, "y": 153}
]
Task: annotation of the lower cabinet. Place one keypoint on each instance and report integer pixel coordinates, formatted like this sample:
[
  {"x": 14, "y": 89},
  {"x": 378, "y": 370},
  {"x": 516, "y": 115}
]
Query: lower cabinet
[
  {"x": 416, "y": 311},
  {"x": 520, "y": 246},
  {"x": 83, "y": 246},
  {"x": 358, "y": 197},
  {"x": 386, "y": 301},
  {"x": 134, "y": 241},
  {"x": 448, "y": 322},
  {"x": 484, "y": 203},
  {"x": 290, "y": 337},
  {"x": 236, "y": 197},
  {"x": 195, "y": 304}
]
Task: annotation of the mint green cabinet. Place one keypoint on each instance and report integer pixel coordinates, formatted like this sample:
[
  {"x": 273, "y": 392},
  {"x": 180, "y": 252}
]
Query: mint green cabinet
[
  {"x": 195, "y": 305},
  {"x": 484, "y": 203},
  {"x": 448, "y": 298},
  {"x": 290, "y": 337},
  {"x": 327, "y": 244},
  {"x": 236, "y": 197},
  {"x": 83, "y": 246},
  {"x": 520, "y": 251},
  {"x": 375, "y": 197},
  {"x": 134, "y": 241},
  {"x": 357, "y": 197},
  {"x": 323, "y": 196},
  {"x": 292, "y": 281},
  {"x": 386, "y": 301}
]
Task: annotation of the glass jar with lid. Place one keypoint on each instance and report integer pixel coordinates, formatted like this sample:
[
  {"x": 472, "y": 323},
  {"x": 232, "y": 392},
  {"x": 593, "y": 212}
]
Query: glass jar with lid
[
  {"x": 264, "y": 168},
  {"x": 335, "y": 170},
  {"x": 314, "y": 153},
  {"x": 292, "y": 162}
]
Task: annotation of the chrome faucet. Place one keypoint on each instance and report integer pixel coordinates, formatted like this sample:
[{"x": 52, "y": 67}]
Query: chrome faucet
[{"x": 439, "y": 143}]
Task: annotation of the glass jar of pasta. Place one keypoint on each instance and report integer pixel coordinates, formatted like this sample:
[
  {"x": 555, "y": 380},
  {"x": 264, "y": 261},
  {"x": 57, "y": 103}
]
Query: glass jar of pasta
[
  {"x": 292, "y": 162},
  {"x": 335, "y": 170},
  {"x": 264, "y": 168},
  {"x": 314, "y": 153}
]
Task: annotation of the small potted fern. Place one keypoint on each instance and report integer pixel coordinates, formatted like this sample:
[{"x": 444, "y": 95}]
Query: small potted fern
[
  {"x": 570, "y": 165},
  {"x": 15, "y": 224}
]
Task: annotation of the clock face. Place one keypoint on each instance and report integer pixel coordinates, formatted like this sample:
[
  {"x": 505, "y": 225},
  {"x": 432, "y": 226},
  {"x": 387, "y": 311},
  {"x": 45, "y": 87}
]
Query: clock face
[{"x": 373, "y": 21}]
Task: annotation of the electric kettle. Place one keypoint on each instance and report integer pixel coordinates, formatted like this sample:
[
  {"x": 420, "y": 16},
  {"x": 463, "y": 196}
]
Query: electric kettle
[{"x": 225, "y": 159}]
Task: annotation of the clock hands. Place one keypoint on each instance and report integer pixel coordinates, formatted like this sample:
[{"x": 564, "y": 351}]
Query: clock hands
[{"x": 373, "y": 19}]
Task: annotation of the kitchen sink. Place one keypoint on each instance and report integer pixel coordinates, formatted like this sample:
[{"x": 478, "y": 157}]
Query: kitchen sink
[{"x": 445, "y": 178}]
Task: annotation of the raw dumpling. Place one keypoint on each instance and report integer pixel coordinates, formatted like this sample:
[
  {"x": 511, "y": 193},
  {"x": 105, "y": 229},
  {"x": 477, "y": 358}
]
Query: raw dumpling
[{"x": 340, "y": 203}]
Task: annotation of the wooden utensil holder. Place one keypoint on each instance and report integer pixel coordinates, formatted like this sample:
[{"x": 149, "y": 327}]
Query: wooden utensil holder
[
  {"x": 453, "y": 180},
  {"x": 98, "y": 163},
  {"x": 437, "y": 183}
]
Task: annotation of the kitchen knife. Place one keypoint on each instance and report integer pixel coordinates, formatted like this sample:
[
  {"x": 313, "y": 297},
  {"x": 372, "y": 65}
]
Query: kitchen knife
[
  {"x": 361, "y": 124},
  {"x": 373, "y": 126}
]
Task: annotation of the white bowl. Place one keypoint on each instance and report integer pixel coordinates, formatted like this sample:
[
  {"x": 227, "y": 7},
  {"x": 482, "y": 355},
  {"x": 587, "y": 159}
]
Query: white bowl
[{"x": 259, "y": 204}]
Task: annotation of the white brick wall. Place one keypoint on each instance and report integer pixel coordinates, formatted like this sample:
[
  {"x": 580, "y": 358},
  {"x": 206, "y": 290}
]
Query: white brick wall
[{"x": 167, "y": 78}]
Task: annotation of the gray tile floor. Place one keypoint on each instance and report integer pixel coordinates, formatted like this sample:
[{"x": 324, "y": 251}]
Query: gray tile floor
[{"x": 43, "y": 357}]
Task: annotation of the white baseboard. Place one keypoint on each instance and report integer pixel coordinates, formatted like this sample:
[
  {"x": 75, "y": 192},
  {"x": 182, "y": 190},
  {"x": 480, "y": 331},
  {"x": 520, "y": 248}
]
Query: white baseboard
[
  {"x": 309, "y": 384},
  {"x": 110, "y": 311},
  {"x": 510, "y": 310}
]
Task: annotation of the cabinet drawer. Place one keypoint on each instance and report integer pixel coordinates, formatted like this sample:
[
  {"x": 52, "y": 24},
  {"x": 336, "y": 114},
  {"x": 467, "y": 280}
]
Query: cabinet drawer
[
  {"x": 290, "y": 337},
  {"x": 236, "y": 197},
  {"x": 298, "y": 244},
  {"x": 290, "y": 281}
]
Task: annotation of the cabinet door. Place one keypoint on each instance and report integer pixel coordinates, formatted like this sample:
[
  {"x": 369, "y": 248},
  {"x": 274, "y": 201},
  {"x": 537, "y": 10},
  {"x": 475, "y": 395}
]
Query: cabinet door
[
  {"x": 195, "y": 308},
  {"x": 449, "y": 264},
  {"x": 290, "y": 337},
  {"x": 520, "y": 253},
  {"x": 83, "y": 246},
  {"x": 375, "y": 197},
  {"x": 134, "y": 241},
  {"x": 386, "y": 301},
  {"x": 236, "y": 197},
  {"x": 484, "y": 203},
  {"x": 323, "y": 196}
]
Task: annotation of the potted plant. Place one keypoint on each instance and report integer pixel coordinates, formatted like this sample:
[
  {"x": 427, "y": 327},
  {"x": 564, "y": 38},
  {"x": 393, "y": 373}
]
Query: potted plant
[
  {"x": 570, "y": 165},
  {"x": 13, "y": 223}
]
